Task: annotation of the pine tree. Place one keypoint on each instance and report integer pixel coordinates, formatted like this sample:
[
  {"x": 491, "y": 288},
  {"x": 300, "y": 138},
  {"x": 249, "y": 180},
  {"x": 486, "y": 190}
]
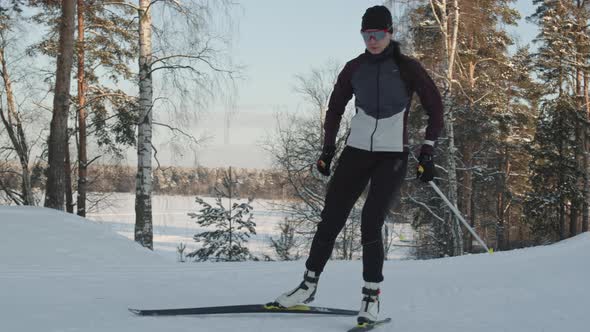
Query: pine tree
[
  {"x": 487, "y": 87},
  {"x": 105, "y": 46},
  {"x": 287, "y": 241},
  {"x": 230, "y": 227},
  {"x": 490, "y": 95},
  {"x": 513, "y": 115},
  {"x": 555, "y": 171},
  {"x": 560, "y": 165},
  {"x": 11, "y": 5},
  {"x": 55, "y": 189}
]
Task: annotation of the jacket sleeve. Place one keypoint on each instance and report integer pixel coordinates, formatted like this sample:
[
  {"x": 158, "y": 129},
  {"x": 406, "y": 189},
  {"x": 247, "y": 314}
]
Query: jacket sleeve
[
  {"x": 431, "y": 101},
  {"x": 340, "y": 96}
]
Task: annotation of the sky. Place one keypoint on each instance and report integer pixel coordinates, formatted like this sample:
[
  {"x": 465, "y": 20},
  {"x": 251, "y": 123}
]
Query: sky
[{"x": 275, "y": 41}]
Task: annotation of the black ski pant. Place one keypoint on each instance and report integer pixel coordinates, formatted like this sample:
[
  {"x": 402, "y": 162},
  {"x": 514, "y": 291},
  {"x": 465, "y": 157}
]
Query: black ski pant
[{"x": 386, "y": 172}]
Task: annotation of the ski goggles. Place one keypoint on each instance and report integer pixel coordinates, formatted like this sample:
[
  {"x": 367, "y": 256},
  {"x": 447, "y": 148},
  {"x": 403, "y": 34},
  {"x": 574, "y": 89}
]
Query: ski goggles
[{"x": 375, "y": 34}]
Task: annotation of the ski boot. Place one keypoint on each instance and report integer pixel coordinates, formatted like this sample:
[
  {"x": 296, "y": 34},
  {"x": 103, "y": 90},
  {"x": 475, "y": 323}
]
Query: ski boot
[
  {"x": 369, "y": 304},
  {"x": 303, "y": 294}
]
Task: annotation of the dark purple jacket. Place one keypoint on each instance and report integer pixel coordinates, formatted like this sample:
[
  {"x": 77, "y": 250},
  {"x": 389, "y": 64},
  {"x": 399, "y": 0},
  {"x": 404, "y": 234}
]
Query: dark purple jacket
[{"x": 383, "y": 85}]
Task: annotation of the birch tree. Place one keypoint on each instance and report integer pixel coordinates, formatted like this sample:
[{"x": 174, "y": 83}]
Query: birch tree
[
  {"x": 188, "y": 57},
  {"x": 315, "y": 88},
  {"x": 295, "y": 147},
  {"x": 13, "y": 122},
  {"x": 442, "y": 19},
  {"x": 449, "y": 25},
  {"x": 143, "y": 194},
  {"x": 12, "y": 118}
]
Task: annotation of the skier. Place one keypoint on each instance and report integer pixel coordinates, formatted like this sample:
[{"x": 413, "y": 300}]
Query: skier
[{"x": 383, "y": 81}]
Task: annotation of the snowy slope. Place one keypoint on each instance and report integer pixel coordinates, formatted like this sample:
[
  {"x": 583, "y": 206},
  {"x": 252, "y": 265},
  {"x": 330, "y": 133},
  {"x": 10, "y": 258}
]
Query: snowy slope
[{"x": 63, "y": 273}]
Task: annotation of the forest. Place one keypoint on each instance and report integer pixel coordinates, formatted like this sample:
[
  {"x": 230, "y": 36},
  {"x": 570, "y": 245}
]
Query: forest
[{"x": 514, "y": 155}]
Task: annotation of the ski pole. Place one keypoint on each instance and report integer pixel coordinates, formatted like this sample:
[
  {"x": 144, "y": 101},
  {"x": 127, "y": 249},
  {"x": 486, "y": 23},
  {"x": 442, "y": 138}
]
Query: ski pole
[{"x": 458, "y": 214}]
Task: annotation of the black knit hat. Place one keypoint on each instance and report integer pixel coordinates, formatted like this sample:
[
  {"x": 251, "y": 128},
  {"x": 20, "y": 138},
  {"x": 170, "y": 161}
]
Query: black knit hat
[{"x": 377, "y": 17}]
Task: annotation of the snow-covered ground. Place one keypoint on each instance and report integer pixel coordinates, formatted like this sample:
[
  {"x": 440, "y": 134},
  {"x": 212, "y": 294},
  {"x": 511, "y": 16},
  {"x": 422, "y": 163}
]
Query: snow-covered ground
[
  {"x": 173, "y": 226},
  {"x": 59, "y": 272}
]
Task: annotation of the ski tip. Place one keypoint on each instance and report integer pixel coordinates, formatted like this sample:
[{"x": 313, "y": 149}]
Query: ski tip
[
  {"x": 135, "y": 311},
  {"x": 369, "y": 326}
]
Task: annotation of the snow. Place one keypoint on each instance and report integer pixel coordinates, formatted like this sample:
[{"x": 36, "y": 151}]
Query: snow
[
  {"x": 173, "y": 226},
  {"x": 59, "y": 272}
]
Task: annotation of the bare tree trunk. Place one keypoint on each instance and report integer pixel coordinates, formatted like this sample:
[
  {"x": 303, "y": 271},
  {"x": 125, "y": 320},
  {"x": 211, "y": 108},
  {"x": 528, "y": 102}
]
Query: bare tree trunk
[
  {"x": 586, "y": 183},
  {"x": 82, "y": 154},
  {"x": 472, "y": 214},
  {"x": 450, "y": 41},
  {"x": 586, "y": 157},
  {"x": 562, "y": 200},
  {"x": 502, "y": 204},
  {"x": 581, "y": 15},
  {"x": 68, "y": 178},
  {"x": 456, "y": 230},
  {"x": 561, "y": 219},
  {"x": 579, "y": 158},
  {"x": 579, "y": 80},
  {"x": 574, "y": 220},
  {"x": 467, "y": 192},
  {"x": 579, "y": 152},
  {"x": 14, "y": 128},
  {"x": 500, "y": 222},
  {"x": 54, "y": 194},
  {"x": 508, "y": 244},
  {"x": 229, "y": 189},
  {"x": 344, "y": 249},
  {"x": 468, "y": 182},
  {"x": 143, "y": 195}
]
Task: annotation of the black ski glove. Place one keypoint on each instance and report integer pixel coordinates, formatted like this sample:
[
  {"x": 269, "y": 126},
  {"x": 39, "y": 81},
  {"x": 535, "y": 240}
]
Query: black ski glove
[
  {"x": 425, "y": 170},
  {"x": 325, "y": 160}
]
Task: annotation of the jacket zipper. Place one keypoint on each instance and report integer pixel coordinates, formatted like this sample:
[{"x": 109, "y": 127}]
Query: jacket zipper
[{"x": 378, "y": 103}]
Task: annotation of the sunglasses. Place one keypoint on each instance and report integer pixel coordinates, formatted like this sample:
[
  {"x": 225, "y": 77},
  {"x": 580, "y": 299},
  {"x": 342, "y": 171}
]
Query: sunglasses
[{"x": 374, "y": 34}]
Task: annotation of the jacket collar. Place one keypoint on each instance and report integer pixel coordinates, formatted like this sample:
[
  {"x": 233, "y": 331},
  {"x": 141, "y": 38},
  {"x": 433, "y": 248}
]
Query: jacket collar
[{"x": 387, "y": 53}]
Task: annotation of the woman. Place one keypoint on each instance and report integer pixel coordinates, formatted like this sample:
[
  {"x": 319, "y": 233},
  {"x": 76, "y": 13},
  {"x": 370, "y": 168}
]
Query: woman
[{"x": 382, "y": 81}]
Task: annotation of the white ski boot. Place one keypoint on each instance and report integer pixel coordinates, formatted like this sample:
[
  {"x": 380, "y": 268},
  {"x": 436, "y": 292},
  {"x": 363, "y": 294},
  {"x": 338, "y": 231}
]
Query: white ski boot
[
  {"x": 303, "y": 294},
  {"x": 369, "y": 304}
]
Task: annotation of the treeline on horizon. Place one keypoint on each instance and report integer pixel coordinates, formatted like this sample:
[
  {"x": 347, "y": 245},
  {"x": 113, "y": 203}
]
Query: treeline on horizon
[{"x": 172, "y": 180}]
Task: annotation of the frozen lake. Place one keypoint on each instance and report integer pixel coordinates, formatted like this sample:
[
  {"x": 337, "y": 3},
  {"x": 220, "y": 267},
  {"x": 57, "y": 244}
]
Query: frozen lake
[{"x": 173, "y": 226}]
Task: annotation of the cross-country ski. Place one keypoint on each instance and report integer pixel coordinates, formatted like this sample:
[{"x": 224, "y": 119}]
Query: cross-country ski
[{"x": 308, "y": 165}]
